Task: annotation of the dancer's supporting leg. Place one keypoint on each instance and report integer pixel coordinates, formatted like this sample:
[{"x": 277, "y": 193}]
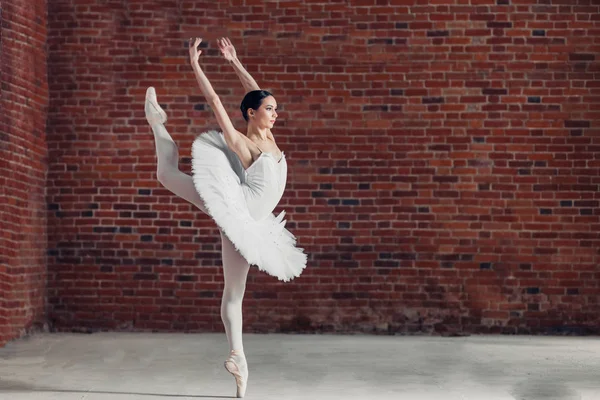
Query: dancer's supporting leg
[
  {"x": 168, "y": 172},
  {"x": 235, "y": 270}
]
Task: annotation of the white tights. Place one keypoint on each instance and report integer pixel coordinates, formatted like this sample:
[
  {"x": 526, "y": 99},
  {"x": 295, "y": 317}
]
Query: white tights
[{"x": 235, "y": 267}]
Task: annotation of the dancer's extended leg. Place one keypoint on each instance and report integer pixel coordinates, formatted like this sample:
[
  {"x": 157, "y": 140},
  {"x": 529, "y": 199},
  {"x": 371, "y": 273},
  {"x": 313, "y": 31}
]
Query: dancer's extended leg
[
  {"x": 235, "y": 267},
  {"x": 168, "y": 172},
  {"x": 235, "y": 270}
]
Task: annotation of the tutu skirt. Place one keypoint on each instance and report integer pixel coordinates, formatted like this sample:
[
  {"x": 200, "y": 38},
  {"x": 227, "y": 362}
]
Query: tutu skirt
[{"x": 219, "y": 177}]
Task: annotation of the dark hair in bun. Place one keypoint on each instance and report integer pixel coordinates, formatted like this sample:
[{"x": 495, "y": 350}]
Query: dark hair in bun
[{"x": 253, "y": 100}]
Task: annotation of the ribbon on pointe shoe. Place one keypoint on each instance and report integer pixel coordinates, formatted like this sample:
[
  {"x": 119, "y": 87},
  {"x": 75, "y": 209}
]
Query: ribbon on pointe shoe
[{"x": 232, "y": 366}]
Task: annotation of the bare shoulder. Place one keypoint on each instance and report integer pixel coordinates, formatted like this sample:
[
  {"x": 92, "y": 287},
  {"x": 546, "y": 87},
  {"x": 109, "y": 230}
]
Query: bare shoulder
[{"x": 246, "y": 150}]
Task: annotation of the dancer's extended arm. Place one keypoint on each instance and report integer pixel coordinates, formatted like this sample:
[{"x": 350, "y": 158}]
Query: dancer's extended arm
[
  {"x": 247, "y": 80},
  {"x": 230, "y": 55},
  {"x": 234, "y": 139}
]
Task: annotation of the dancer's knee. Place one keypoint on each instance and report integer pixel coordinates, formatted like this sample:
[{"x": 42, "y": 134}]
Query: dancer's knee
[
  {"x": 234, "y": 295},
  {"x": 168, "y": 175},
  {"x": 164, "y": 175},
  {"x": 234, "y": 290}
]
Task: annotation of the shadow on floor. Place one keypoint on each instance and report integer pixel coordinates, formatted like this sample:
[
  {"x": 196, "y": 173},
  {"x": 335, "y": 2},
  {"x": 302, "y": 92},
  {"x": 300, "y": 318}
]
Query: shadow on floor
[
  {"x": 543, "y": 389},
  {"x": 9, "y": 386}
]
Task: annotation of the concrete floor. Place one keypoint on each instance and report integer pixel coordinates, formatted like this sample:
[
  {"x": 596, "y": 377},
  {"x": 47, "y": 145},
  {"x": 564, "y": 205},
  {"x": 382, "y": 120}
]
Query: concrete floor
[{"x": 138, "y": 366}]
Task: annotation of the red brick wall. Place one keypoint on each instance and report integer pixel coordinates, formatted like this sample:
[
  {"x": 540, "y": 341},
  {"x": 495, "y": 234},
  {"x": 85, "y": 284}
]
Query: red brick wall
[
  {"x": 444, "y": 164},
  {"x": 23, "y": 167}
]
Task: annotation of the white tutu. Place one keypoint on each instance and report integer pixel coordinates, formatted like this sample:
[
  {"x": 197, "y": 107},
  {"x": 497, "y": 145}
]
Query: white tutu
[{"x": 221, "y": 181}]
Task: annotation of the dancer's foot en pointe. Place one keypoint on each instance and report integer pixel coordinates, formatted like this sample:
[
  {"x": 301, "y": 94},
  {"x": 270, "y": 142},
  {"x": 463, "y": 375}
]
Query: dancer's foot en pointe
[
  {"x": 237, "y": 366},
  {"x": 154, "y": 113}
]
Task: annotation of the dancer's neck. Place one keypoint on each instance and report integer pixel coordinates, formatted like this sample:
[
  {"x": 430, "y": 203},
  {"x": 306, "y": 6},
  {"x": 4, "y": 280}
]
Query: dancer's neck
[{"x": 255, "y": 133}]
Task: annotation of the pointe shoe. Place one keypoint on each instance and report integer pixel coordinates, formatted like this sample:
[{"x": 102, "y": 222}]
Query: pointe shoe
[
  {"x": 240, "y": 374},
  {"x": 154, "y": 113}
]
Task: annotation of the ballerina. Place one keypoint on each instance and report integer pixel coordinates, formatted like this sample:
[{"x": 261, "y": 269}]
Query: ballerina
[{"x": 238, "y": 180}]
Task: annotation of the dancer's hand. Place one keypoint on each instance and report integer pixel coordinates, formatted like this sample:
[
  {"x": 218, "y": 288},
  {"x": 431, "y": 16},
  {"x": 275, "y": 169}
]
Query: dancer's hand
[
  {"x": 194, "y": 51},
  {"x": 227, "y": 49}
]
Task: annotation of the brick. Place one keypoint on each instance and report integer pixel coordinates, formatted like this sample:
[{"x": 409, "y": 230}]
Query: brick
[
  {"x": 23, "y": 100},
  {"x": 406, "y": 167}
]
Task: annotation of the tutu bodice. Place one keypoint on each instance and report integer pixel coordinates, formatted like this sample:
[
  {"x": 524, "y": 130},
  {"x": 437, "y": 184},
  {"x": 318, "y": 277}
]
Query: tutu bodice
[{"x": 264, "y": 183}]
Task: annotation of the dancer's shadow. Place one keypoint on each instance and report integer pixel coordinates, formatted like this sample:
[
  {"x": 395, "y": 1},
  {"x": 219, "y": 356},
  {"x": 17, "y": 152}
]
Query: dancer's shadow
[
  {"x": 6, "y": 386},
  {"x": 541, "y": 388}
]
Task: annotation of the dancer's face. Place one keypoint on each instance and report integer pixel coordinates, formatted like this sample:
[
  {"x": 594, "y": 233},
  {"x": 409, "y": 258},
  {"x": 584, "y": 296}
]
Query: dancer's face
[{"x": 266, "y": 115}]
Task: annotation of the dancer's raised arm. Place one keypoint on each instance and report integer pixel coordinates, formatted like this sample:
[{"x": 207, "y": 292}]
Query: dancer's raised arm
[
  {"x": 234, "y": 139},
  {"x": 230, "y": 55}
]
